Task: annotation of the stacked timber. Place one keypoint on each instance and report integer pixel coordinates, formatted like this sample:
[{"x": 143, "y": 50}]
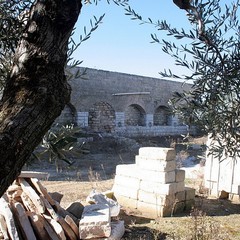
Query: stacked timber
[{"x": 29, "y": 212}]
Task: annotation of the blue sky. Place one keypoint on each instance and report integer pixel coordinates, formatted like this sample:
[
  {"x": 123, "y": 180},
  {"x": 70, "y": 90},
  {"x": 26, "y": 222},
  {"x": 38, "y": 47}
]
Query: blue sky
[{"x": 123, "y": 45}]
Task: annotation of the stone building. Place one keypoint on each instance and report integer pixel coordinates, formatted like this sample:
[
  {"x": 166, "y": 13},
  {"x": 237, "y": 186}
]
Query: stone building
[{"x": 125, "y": 104}]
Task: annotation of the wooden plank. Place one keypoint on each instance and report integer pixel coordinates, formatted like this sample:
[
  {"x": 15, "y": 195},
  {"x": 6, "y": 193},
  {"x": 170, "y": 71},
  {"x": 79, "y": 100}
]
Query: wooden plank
[
  {"x": 24, "y": 222},
  {"x": 72, "y": 224},
  {"x": 8, "y": 215},
  {"x": 56, "y": 226},
  {"x": 52, "y": 234},
  {"x": 27, "y": 202},
  {"x": 38, "y": 226},
  {"x": 37, "y": 184},
  {"x": 3, "y": 227},
  {"x": 31, "y": 174},
  {"x": 68, "y": 231},
  {"x": 50, "y": 209},
  {"x": 32, "y": 195}
]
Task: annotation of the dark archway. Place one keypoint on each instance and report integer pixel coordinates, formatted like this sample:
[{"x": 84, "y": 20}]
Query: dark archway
[
  {"x": 135, "y": 115},
  {"x": 161, "y": 116}
]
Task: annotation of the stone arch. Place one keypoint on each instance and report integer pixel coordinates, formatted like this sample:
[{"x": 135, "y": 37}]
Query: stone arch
[
  {"x": 135, "y": 115},
  {"x": 68, "y": 115},
  {"x": 161, "y": 116},
  {"x": 102, "y": 117}
]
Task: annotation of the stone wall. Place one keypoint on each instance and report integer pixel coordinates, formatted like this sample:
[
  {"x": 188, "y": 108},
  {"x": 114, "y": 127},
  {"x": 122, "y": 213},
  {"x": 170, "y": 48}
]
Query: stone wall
[{"x": 117, "y": 102}]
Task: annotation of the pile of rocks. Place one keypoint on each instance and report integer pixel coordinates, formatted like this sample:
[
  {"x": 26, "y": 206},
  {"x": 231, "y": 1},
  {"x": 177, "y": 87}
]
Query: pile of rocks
[{"x": 153, "y": 185}]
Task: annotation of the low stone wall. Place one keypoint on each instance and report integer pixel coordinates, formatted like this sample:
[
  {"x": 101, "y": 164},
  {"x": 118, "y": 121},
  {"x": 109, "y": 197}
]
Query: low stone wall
[
  {"x": 153, "y": 185},
  {"x": 138, "y": 131}
]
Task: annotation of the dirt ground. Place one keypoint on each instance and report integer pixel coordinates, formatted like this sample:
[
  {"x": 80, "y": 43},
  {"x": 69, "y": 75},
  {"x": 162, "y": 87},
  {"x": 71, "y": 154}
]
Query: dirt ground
[{"x": 211, "y": 218}]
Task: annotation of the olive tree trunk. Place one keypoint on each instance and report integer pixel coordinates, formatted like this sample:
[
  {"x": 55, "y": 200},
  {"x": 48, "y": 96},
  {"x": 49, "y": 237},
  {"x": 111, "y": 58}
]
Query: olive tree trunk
[{"x": 36, "y": 89}]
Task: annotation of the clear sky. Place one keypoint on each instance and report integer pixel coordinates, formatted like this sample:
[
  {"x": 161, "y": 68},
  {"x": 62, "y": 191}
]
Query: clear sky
[{"x": 123, "y": 45}]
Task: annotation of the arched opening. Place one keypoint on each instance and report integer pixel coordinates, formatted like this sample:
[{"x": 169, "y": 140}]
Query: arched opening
[
  {"x": 135, "y": 116},
  {"x": 102, "y": 117},
  {"x": 161, "y": 116},
  {"x": 68, "y": 115}
]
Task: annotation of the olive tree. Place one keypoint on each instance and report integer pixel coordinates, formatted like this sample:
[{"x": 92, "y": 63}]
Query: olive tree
[{"x": 210, "y": 49}]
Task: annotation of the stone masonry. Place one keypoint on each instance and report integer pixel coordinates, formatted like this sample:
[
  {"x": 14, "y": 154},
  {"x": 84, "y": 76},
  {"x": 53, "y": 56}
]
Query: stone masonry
[
  {"x": 153, "y": 185},
  {"x": 123, "y": 104}
]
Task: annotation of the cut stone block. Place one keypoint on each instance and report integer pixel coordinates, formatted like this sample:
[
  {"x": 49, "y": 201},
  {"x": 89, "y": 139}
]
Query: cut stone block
[
  {"x": 126, "y": 201},
  {"x": 155, "y": 164},
  {"x": 160, "y": 188},
  {"x": 190, "y": 193},
  {"x": 99, "y": 198},
  {"x": 95, "y": 222},
  {"x": 125, "y": 191},
  {"x": 130, "y": 182},
  {"x": 154, "y": 198},
  {"x": 234, "y": 197},
  {"x": 166, "y": 154},
  {"x": 154, "y": 211},
  {"x": 134, "y": 171},
  {"x": 235, "y": 189},
  {"x": 180, "y": 175}
]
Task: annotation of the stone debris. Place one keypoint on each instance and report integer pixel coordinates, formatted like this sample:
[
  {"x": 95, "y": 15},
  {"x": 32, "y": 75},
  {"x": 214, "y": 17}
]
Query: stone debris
[
  {"x": 153, "y": 185},
  {"x": 96, "y": 197},
  {"x": 29, "y": 212}
]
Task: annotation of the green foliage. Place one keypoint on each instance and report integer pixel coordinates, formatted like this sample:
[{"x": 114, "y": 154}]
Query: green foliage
[
  {"x": 61, "y": 143},
  {"x": 211, "y": 51}
]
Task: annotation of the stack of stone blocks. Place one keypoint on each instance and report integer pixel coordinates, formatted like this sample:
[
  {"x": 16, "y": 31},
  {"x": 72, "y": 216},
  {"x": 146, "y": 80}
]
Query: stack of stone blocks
[{"x": 153, "y": 185}]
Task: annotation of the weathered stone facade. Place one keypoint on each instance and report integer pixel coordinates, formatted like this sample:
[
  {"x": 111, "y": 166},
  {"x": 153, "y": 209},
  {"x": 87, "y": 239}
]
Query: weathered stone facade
[{"x": 122, "y": 103}]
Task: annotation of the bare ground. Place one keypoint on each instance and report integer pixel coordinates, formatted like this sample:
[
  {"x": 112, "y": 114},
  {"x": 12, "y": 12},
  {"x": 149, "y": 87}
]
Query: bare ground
[{"x": 211, "y": 219}]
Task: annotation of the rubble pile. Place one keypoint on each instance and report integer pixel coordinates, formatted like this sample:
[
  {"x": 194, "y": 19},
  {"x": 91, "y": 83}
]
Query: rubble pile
[{"x": 29, "y": 212}]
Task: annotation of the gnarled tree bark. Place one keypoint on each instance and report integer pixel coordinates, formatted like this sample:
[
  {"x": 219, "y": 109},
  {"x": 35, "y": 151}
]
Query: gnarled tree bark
[{"x": 36, "y": 90}]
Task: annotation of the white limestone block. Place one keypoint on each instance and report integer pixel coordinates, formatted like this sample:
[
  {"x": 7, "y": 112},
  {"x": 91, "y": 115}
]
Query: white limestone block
[
  {"x": 235, "y": 189},
  {"x": 211, "y": 169},
  {"x": 154, "y": 210},
  {"x": 166, "y": 154},
  {"x": 212, "y": 187},
  {"x": 125, "y": 191},
  {"x": 134, "y": 171},
  {"x": 128, "y": 181},
  {"x": 128, "y": 170},
  {"x": 180, "y": 175},
  {"x": 158, "y": 188},
  {"x": 95, "y": 222},
  {"x": 155, "y": 164},
  {"x": 155, "y": 198},
  {"x": 126, "y": 201},
  {"x": 99, "y": 198}
]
